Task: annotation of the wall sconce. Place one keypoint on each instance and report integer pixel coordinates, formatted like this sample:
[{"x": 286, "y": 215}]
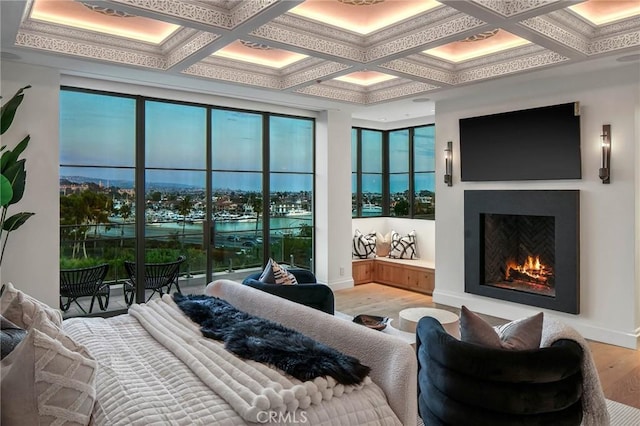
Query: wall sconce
[
  {"x": 448, "y": 164},
  {"x": 605, "y": 162}
]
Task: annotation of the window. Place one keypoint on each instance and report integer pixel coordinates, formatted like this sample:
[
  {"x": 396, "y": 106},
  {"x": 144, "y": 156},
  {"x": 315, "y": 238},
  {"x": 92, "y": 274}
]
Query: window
[
  {"x": 424, "y": 167},
  {"x": 225, "y": 188},
  {"x": 97, "y": 176},
  {"x": 175, "y": 166},
  {"x": 399, "y": 173},
  {"x": 291, "y": 190},
  {"x": 396, "y": 179},
  {"x": 367, "y": 176}
]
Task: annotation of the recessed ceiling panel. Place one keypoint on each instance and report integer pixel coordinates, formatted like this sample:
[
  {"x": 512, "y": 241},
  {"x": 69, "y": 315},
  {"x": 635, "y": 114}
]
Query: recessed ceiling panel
[
  {"x": 365, "y": 78},
  {"x": 476, "y": 46},
  {"x": 362, "y": 17},
  {"x": 279, "y": 45},
  {"x": 108, "y": 21},
  {"x": 259, "y": 54},
  {"x": 602, "y": 12}
]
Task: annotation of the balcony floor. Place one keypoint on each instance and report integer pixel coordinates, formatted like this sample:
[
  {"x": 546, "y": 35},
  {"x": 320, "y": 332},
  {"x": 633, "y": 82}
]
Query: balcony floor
[{"x": 193, "y": 285}]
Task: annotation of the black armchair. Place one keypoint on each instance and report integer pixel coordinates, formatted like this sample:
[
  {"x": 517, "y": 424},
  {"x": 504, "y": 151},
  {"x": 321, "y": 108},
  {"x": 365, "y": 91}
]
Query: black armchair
[
  {"x": 462, "y": 383},
  {"x": 156, "y": 276},
  {"x": 307, "y": 292},
  {"x": 84, "y": 282}
]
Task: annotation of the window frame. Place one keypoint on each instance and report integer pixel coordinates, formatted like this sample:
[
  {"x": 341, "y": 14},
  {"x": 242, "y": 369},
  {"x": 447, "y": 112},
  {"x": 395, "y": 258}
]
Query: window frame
[{"x": 386, "y": 174}]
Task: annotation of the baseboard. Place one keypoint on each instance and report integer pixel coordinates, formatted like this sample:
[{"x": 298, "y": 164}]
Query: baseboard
[
  {"x": 341, "y": 285},
  {"x": 511, "y": 311}
]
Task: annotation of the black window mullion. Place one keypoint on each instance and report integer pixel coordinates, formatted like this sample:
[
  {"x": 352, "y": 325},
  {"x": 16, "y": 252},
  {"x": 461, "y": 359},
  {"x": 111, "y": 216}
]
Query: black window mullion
[
  {"x": 386, "y": 196},
  {"x": 359, "y": 173},
  {"x": 209, "y": 228},
  {"x": 266, "y": 186},
  {"x": 140, "y": 184},
  {"x": 411, "y": 172}
]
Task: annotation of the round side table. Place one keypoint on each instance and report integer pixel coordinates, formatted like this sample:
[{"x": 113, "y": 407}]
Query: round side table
[{"x": 409, "y": 319}]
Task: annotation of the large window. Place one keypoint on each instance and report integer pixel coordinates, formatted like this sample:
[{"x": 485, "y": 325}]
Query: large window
[
  {"x": 225, "y": 188},
  {"x": 393, "y": 172},
  {"x": 97, "y": 183}
]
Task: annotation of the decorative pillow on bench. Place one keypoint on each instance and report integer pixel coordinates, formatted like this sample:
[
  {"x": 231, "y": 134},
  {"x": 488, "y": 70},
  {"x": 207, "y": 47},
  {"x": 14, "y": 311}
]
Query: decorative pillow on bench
[
  {"x": 403, "y": 246},
  {"x": 383, "y": 244},
  {"x": 364, "y": 246}
]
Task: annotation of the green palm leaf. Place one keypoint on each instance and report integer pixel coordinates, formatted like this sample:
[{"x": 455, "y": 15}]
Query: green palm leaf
[
  {"x": 6, "y": 191},
  {"x": 17, "y": 176},
  {"x": 9, "y": 110},
  {"x": 16, "y": 221}
]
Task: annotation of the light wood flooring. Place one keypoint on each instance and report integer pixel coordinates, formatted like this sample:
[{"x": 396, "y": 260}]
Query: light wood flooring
[{"x": 619, "y": 368}]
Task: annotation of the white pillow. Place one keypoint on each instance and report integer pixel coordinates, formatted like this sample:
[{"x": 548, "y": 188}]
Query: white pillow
[
  {"x": 21, "y": 309},
  {"x": 403, "y": 247},
  {"x": 364, "y": 246},
  {"x": 48, "y": 378}
]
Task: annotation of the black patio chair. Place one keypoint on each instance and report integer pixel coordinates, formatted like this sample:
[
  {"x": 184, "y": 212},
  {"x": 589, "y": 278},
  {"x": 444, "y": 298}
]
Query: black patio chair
[
  {"x": 156, "y": 276},
  {"x": 84, "y": 282}
]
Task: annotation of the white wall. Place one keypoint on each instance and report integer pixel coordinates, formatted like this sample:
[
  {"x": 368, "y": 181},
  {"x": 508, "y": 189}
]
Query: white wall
[
  {"x": 609, "y": 288},
  {"x": 425, "y": 233},
  {"x": 333, "y": 199},
  {"x": 31, "y": 258}
]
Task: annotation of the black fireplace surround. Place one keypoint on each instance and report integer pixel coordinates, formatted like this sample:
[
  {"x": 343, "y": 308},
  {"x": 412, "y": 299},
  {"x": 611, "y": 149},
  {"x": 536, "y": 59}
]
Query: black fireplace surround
[{"x": 558, "y": 243}]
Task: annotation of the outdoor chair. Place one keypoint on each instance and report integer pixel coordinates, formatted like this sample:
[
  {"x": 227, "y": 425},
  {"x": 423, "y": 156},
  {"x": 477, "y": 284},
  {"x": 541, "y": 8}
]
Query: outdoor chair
[
  {"x": 84, "y": 282},
  {"x": 156, "y": 277}
]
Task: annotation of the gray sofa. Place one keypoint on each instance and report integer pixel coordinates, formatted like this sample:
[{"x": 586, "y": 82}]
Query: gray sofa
[{"x": 392, "y": 361}]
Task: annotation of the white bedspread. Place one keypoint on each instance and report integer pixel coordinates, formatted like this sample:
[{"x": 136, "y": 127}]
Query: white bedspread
[{"x": 141, "y": 381}]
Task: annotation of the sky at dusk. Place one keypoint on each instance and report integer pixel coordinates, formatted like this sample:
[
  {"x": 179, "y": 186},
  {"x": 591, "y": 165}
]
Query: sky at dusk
[{"x": 100, "y": 130}]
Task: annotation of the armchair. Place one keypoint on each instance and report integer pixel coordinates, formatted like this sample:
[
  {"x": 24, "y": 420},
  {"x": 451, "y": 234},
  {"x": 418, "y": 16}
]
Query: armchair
[
  {"x": 462, "y": 383},
  {"x": 307, "y": 292}
]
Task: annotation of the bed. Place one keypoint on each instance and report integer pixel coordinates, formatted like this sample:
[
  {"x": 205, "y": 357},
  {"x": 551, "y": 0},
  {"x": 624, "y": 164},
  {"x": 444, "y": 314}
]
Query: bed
[{"x": 153, "y": 366}]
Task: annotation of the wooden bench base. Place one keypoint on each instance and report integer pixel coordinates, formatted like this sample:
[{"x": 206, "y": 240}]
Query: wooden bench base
[{"x": 407, "y": 274}]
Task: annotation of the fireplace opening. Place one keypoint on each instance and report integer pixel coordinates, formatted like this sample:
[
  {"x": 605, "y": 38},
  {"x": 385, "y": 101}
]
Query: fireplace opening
[
  {"x": 519, "y": 253},
  {"x": 523, "y": 247}
]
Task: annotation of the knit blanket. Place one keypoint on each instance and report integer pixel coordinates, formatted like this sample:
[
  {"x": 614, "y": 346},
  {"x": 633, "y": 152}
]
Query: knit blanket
[
  {"x": 249, "y": 387},
  {"x": 594, "y": 406}
]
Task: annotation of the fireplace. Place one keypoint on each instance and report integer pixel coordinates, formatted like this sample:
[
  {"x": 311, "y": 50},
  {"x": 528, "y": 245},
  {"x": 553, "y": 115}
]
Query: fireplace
[{"x": 523, "y": 246}]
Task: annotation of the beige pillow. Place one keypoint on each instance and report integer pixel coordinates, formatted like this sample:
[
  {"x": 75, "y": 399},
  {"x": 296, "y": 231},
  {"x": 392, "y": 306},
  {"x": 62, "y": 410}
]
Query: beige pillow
[
  {"x": 521, "y": 334},
  {"x": 383, "y": 244},
  {"x": 21, "y": 309},
  {"x": 47, "y": 379}
]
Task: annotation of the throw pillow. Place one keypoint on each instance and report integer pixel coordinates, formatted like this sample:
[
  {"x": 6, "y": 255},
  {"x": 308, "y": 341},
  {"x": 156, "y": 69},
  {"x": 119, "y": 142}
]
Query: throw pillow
[
  {"x": 47, "y": 380},
  {"x": 403, "y": 247},
  {"x": 274, "y": 273},
  {"x": 21, "y": 309},
  {"x": 10, "y": 336},
  {"x": 383, "y": 244},
  {"x": 364, "y": 246},
  {"x": 521, "y": 334}
]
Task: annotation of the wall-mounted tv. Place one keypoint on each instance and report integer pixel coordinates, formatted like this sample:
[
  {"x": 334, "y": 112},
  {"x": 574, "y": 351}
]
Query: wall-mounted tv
[{"x": 532, "y": 144}]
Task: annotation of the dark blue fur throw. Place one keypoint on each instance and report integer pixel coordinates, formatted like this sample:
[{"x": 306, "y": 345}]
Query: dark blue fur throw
[{"x": 268, "y": 342}]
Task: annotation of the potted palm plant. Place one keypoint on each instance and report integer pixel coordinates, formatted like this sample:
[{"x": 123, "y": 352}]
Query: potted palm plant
[{"x": 13, "y": 174}]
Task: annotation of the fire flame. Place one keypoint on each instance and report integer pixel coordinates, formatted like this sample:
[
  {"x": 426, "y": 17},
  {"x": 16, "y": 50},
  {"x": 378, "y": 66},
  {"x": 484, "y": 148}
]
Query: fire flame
[{"x": 531, "y": 267}]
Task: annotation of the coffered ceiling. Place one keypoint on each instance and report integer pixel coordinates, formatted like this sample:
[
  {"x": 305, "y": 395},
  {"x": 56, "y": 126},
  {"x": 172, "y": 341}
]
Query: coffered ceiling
[{"x": 361, "y": 52}]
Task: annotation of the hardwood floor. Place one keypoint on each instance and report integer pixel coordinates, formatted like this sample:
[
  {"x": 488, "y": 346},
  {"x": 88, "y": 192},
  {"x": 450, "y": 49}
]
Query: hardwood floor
[{"x": 618, "y": 368}]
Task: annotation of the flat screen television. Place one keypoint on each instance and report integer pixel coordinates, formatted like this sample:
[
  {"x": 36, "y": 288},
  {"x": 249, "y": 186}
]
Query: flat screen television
[{"x": 532, "y": 144}]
